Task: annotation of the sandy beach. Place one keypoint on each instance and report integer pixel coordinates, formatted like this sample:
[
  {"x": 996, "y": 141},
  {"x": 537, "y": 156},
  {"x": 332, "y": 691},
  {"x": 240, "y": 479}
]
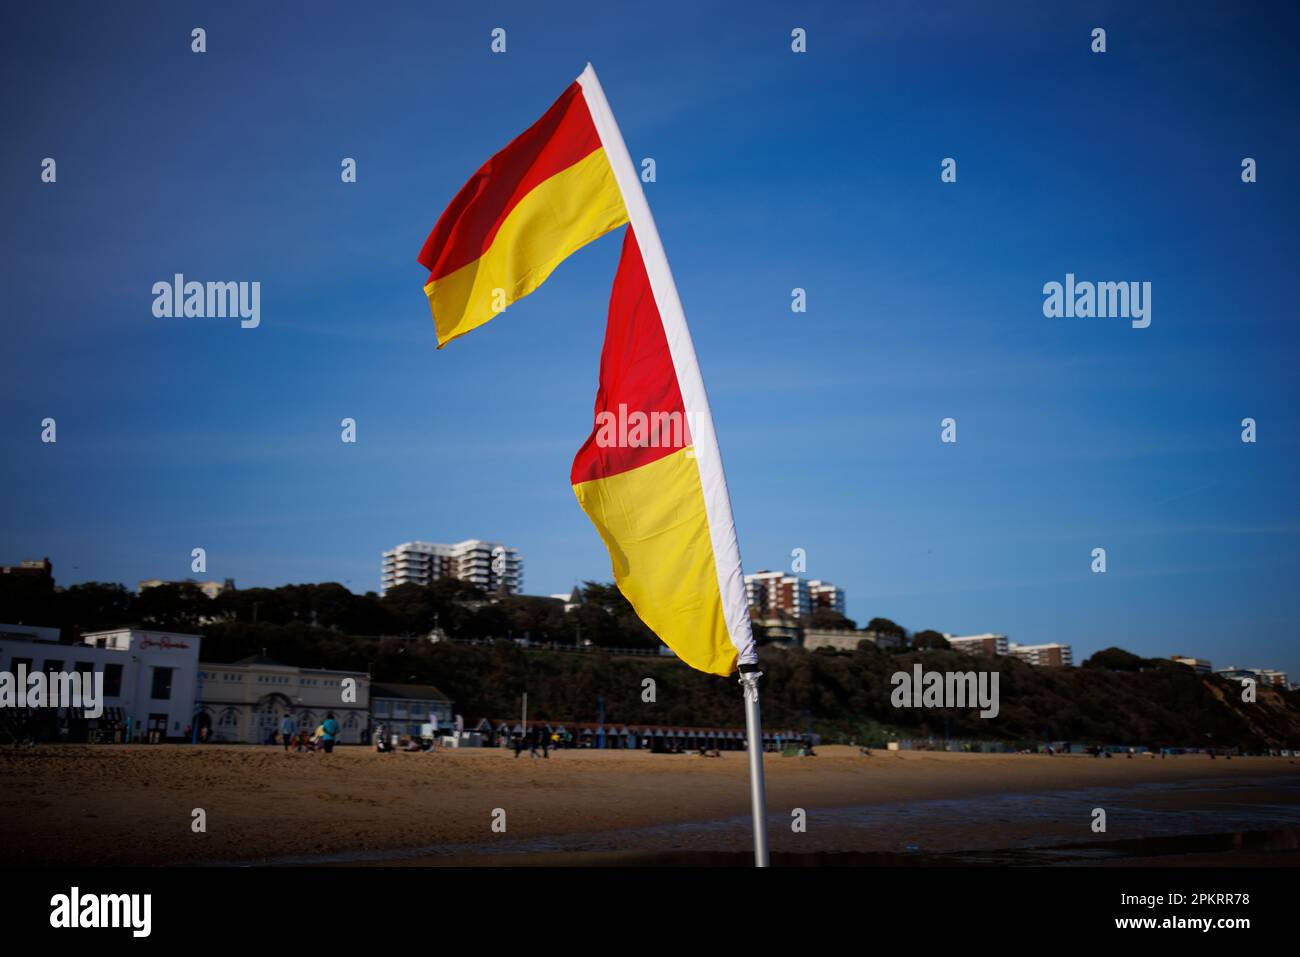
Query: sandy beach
[{"x": 113, "y": 805}]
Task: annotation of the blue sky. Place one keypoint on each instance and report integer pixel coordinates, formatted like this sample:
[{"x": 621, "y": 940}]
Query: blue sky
[{"x": 775, "y": 170}]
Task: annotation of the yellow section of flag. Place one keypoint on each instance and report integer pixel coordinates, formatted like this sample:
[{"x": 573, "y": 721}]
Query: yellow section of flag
[{"x": 653, "y": 521}]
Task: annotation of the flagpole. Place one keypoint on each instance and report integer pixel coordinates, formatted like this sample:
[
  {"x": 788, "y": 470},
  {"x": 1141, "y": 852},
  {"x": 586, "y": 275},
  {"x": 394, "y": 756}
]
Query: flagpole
[
  {"x": 749, "y": 675},
  {"x": 726, "y": 552}
]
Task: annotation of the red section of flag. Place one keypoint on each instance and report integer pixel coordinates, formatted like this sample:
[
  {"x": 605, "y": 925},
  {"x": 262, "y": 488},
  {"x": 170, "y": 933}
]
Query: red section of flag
[
  {"x": 638, "y": 393},
  {"x": 564, "y": 135}
]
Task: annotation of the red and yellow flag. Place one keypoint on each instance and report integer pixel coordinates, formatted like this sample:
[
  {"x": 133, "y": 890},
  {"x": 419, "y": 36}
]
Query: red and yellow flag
[
  {"x": 543, "y": 197},
  {"x": 649, "y": 476}
]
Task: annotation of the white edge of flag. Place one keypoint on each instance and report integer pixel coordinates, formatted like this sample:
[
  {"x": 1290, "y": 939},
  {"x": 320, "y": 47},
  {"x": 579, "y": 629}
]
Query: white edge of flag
[{"x": 717, "y": 502}]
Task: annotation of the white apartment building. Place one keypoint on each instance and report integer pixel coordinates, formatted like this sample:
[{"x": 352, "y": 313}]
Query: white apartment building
[
  {"x": 1051, "y": 655},
  {"x": 825, "y": 595},
  {"x": 491, "y": 566},
  {"x": 989, "y": 644},
  {"x": 149, "y": 676}
]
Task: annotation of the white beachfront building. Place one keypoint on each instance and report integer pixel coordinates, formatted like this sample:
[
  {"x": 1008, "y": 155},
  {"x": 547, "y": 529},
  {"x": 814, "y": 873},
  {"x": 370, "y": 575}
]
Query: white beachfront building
[{"x": 148, "y": 676}]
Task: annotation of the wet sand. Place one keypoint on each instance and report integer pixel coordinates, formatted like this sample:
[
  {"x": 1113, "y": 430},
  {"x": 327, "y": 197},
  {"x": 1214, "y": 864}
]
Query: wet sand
[{"x": 112, "y": 805}]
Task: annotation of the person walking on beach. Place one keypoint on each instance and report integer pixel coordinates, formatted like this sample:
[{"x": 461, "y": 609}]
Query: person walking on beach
[
  {"x": 329, "y": 731},
  {"x": 286, "y": 730}
]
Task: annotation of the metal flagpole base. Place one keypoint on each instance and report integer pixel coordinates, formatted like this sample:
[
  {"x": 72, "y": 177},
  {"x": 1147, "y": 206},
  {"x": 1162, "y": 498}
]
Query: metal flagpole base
[{"x": 749, "y": 675}]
